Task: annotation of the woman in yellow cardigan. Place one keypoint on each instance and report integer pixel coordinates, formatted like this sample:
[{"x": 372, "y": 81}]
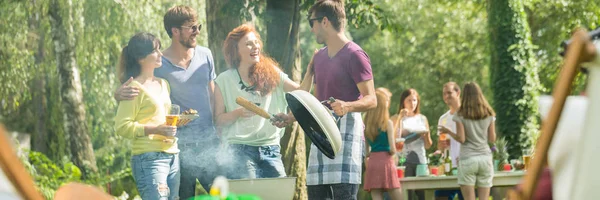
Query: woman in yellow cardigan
[{"x": 155, "y": 161}]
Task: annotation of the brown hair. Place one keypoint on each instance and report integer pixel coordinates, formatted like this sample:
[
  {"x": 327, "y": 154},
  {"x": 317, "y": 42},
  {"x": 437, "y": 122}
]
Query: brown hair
[
  {"x": 139, "y": 46},
  {"x": 473, "y": 104},
  {"x": 177, "y": 16},
  {"x": 453, "y": 85},
  {"x": 377, "y": 119},
  {"x": 332, "y": 9},
  {"x": 405, "y": 95},
  {"x": 264, "y": 74}
]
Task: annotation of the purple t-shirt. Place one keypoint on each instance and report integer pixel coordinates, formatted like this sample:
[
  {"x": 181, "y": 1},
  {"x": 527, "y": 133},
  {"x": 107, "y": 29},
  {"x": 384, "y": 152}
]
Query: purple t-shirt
[{"x": 337, "y": 77}]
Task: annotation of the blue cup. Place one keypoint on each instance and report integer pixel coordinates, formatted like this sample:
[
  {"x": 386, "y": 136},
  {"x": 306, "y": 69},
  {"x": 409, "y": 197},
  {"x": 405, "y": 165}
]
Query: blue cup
[{"x": 422, "y": 170}]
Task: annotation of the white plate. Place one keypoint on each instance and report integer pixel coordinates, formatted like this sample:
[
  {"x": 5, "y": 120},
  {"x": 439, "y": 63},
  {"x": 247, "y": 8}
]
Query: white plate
[{"x": 185, "y": 119}]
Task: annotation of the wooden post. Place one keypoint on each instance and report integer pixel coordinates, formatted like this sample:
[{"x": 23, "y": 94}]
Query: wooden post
[{"x": 577, "y": 53}]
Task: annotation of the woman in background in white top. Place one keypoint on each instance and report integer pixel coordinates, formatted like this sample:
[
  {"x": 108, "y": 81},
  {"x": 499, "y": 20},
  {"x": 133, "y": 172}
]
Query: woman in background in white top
[{"x": 413, "y": 126}]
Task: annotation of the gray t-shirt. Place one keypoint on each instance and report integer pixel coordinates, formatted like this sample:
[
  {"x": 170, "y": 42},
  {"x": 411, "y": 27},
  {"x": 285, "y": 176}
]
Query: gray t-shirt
[
  {"x": 189, "y": 87},
  {"x": 476, "y": 137}
]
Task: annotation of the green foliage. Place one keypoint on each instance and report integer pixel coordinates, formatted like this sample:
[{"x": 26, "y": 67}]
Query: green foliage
[
  {"x": 411, "y": 43},
  {"x": 50, "y": 176},
  {"x": 499, "y": 150},
  {"x": 514, "y": 74},
  {"x": 551, "y": 22},
  {"x": 14, "y": 56},
  {"x": 101, "y": 29},
  {"x": 439, "y": 42},
  {"x": 362, "y": 12},
  {"x": 435, "y": 158}
]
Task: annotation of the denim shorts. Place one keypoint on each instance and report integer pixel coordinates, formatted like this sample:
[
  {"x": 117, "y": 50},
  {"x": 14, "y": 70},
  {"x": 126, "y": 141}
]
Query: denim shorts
[
  {"x": 254, "y": 162},
  {"x": 156, "y": 175}
]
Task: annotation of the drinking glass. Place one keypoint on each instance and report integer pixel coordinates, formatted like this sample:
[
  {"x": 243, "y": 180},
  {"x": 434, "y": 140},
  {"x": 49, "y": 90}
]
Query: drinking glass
[
  {"x": 527, "y": 157},
  {"x": 172, "y": 115}
]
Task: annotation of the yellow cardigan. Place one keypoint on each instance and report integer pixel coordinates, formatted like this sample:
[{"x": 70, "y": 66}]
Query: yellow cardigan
[{"x": 145, "y": 109}]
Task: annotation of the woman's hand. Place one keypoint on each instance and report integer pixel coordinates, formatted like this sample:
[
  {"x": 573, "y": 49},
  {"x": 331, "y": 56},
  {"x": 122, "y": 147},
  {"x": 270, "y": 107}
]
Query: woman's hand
[
  {"x": 403, "y": 113},
  {"x": 282, "y": 120},
  {"x": 243, "y": 112},
  {"x": 168, "y": 131},
  {"x": 310, "y": 68}
]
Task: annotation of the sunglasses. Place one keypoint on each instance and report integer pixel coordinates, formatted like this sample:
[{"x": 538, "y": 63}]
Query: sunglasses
[
  {"x": 194, "y": 27},
  {"x": 310, "y": 21}
]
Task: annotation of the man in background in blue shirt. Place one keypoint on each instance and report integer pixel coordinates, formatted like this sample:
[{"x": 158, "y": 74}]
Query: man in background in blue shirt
[{"x": 190, "y": 71}]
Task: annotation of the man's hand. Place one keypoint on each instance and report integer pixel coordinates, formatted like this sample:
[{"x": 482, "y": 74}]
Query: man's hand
[
  {"x": 443, "y": 144},
  {"x": 444, "y": 129},
  {"x": 126, "y": 92},
  {"x": 339, "y": 107},
  {"x": 282, "y": 120}
]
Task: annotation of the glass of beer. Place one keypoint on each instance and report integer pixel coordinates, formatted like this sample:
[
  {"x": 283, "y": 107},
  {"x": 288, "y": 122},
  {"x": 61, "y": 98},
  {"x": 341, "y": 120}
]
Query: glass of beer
[
  {"x": 172, "y": 115},
  {"x": 526, "y": 158},
  {"x": 399, "y": 144},
  {"x": 443, "y": 136}
]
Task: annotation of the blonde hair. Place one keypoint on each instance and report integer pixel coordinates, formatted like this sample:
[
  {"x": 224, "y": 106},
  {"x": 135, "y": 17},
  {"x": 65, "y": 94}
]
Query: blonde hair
[
  {"x": 377, "y": 119},
  {"x": 473, "y": 104}
]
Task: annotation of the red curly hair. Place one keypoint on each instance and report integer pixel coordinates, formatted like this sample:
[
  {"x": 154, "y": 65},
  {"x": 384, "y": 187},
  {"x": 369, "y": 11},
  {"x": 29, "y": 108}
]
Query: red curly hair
[{"x": 265, "y": 73}]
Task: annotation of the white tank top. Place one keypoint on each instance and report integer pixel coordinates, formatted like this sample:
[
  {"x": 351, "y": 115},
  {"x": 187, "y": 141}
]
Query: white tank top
[{"x": 415, "y": 123}]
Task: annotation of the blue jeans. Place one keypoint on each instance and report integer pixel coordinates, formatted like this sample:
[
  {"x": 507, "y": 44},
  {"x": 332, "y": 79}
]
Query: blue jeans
[
  {"x": 156, "y": 175},
  {"x": 449, "y": 193},
  {"x": 341, "y": 191},
  {"x": 255, "y": 162},
  {"x": 198, "y": 146}
]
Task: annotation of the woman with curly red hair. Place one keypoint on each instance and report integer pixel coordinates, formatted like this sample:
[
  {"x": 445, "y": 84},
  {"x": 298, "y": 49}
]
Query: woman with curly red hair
[{"x": 252, "y": 140}]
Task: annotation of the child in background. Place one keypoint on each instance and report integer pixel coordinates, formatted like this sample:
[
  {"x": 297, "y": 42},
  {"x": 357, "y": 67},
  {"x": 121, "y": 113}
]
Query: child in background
[
  {"x": 474, "y": 129},
  {"x": 380, "y": 166}
]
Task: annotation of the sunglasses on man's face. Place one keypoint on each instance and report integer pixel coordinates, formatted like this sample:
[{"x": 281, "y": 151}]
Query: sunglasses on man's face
[
  {"x": 194, "y": 27},
  {"x": 310, "y": 21}
]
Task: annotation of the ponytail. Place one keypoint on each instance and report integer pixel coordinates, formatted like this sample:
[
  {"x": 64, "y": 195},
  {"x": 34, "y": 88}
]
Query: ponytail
[
  {"x": 128, "y": 66},
  {"x": 138, "y": 47},
  {"x": 121, "y": 66}
]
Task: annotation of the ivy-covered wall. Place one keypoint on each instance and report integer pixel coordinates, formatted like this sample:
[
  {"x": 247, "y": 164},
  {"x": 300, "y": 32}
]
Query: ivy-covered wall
[{"x": 514, "y": 78}]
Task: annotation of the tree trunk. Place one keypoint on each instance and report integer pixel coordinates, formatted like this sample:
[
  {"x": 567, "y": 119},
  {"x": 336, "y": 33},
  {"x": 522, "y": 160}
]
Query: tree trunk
[
  {"x": 75, "y": 125},
  {"x": 221, "y": 17},
  {"x": 283, "y": 23},
  {"x": 514, "y": 77},
  {"x": 39, "y": 141}
]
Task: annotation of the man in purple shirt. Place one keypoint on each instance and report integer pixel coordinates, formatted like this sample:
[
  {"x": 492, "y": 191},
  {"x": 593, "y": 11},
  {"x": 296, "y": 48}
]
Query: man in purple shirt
[{"x": 342, "y": 70}]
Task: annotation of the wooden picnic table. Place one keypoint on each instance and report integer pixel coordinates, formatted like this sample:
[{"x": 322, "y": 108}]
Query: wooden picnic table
[{"x": 431, "y": 183}]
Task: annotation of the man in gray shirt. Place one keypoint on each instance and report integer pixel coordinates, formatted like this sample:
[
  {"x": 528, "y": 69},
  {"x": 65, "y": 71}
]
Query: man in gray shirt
[{"x": 190, "y": 71}]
